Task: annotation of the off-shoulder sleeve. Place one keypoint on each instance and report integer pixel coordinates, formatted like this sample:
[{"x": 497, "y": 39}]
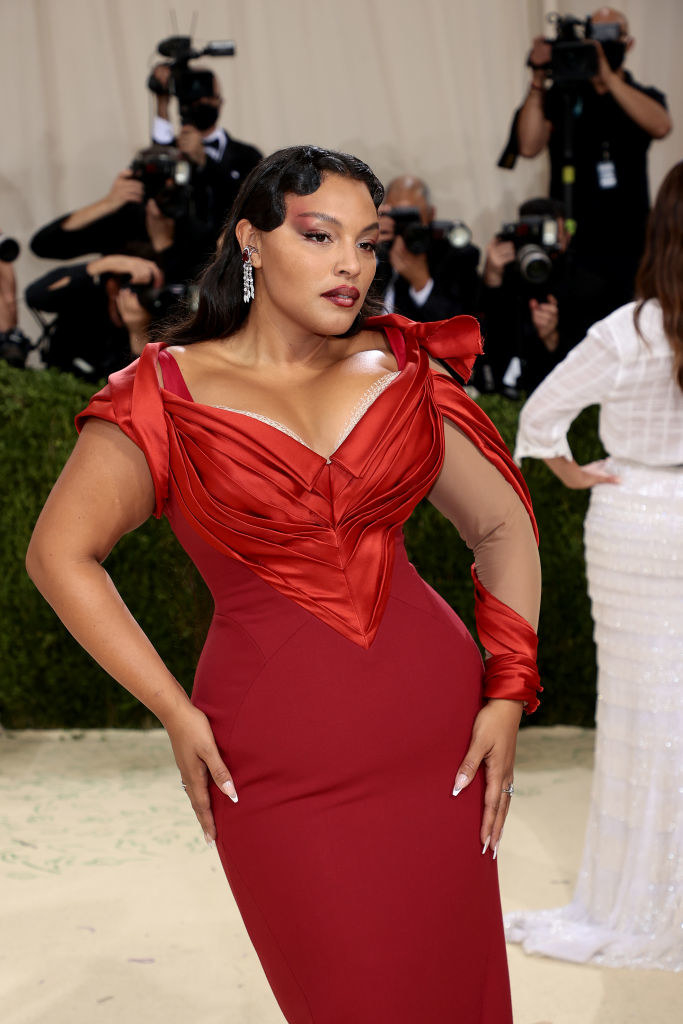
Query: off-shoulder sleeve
[
  {"x": 585, "y": 377},
  {"x": 483, "y": 493},
  {"x": 132, "y": 400}
]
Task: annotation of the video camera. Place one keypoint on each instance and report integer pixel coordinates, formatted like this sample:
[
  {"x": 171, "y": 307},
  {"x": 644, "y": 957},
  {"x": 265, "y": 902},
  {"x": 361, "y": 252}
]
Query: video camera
[
  {"x": 536, "y": 239},
  {"x": 419, "y": 237},
  {"x": 187, "y": 85},
  {"x": 165, "y": 175},
  {"x": 574, "y": 58}
]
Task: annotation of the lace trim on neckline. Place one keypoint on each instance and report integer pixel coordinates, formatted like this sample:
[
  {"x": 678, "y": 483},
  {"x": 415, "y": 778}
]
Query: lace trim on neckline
[{"x": 369, "y": 396}]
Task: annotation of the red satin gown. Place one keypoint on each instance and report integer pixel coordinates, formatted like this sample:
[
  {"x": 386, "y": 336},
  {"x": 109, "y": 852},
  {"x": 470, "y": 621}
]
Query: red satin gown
[{"x": 341, "y": 689}]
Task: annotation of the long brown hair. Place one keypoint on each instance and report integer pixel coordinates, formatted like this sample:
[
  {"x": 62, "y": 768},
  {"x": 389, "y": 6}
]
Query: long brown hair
[{"x": 660, "y": 274}]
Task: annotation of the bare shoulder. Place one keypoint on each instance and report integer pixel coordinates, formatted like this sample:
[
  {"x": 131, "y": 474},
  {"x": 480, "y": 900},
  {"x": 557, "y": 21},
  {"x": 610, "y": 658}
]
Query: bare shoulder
[
  {"x": 196, "y": 358},
  {"x": 373, "y": 341}
]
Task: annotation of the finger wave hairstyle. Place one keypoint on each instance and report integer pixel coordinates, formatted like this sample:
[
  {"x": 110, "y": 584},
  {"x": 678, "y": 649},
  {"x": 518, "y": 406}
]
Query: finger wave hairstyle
[
  {"x": 298, "y": 170},
  {"x": 660, "y": 274}
]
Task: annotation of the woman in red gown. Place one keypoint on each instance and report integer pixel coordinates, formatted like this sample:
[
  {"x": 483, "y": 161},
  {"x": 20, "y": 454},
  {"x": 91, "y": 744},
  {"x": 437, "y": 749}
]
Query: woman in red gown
[{"x": 344, "y": 746}]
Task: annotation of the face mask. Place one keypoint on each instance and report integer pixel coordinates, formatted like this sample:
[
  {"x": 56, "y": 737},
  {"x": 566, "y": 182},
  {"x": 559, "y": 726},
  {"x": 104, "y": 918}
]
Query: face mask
[
  {"x": 202, "y": 115},
  {"x": 614, "y": 53}
]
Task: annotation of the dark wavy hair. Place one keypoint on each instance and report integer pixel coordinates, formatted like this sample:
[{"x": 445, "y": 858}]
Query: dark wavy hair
[
  {"x": 261, "y": 201},
  {"x": 660, "y": 274}
]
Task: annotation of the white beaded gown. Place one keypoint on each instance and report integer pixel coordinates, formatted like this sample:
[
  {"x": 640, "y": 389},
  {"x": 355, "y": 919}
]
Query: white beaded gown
[{"x": 627, "y": 908}]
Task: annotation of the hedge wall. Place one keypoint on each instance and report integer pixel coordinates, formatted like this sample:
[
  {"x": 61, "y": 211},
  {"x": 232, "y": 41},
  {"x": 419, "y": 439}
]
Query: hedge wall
[{"x": 47, "y": 681}]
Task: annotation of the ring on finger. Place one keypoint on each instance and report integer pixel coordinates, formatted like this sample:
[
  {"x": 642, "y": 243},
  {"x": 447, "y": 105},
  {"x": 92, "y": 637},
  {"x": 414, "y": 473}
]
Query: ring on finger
[
  {"x": 509, "y": 790},
  {"x": 183, "y": 785}
]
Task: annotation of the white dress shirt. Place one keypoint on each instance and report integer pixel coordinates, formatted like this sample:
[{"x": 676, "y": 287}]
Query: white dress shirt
[
  {"x": 419, "y": 298},
  {"x": 631, "y": 379}
]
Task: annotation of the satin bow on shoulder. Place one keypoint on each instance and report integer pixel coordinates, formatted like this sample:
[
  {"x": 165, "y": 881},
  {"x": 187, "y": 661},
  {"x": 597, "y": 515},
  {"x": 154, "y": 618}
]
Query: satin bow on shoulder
[{"x": 456, "y": 342}]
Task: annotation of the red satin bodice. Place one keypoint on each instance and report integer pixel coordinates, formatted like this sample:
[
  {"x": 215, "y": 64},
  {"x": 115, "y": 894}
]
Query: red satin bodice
[{"x": 322, "y": 532}]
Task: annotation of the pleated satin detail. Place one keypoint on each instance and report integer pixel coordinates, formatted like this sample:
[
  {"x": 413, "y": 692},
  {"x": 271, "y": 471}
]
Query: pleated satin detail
[{"x": 321, "y": 532}]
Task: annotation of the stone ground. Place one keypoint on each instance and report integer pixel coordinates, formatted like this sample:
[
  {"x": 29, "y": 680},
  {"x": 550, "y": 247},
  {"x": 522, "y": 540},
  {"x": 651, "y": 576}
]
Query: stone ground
[{"x": 114, "y": 911}]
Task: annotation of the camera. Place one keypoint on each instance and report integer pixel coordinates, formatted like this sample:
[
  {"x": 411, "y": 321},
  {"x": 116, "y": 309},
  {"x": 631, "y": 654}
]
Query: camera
[
  {"x": 159, "y": 302},
  {"x": 165, "y": 175},
  {"x": 574, "y": 59},
  {"x": 418, "y": 237},
  {"x": 186, "y": 85},
  {"x": 14, "y": 347},
  {"x": 536, "y": 239},
  {"x": 9, "y": 249}
]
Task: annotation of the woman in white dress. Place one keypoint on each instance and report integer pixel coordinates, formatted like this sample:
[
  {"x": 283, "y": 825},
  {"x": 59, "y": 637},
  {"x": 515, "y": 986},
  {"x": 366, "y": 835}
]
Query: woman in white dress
[{"x": 627, "y": 909}]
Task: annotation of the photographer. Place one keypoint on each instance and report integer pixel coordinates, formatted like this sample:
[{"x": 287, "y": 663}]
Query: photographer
[
  {"x": 536, "y": 303},
  {"x": 437, "y": 281},
  {"x": 128, "y": 221},
  {"x": 220, "y": 163},
  {"x": 101, "y": 325},
  {"x": 602, "y": 124}
]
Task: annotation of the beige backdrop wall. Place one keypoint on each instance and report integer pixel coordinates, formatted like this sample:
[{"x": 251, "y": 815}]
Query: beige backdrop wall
[{"x": 421, "y": 85}]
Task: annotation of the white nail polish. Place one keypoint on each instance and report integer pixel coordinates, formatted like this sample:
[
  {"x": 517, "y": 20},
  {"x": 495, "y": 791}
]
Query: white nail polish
[
  {"x": 460, "y": 783},
  {"x": 495, "y": 849},
  {"x": 229, "y": 790},
  {"x": 209, "y": 840},
  {"x": 486, "y": 845}
]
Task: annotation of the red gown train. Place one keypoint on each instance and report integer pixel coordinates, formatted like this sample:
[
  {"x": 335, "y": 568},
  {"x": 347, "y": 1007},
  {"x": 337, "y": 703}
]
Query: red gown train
[{"x": 341, "y": 688}]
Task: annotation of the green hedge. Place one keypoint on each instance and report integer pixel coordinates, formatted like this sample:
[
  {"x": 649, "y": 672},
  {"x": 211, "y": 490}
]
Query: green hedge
[{"x": 47, "y": 681}]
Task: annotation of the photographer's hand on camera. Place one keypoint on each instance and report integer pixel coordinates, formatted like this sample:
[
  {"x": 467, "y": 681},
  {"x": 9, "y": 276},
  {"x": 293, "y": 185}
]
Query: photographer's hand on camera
[
  {"x": 125, "y": 189},
  {"x": 498, "y": 255},
  {"x": 539, "y": 59},
  {"x": 161, "y": 75},
  {"x": 140, "y": 271},
  {"x": 411, "y": 266},
  {"x": 533, "y": 128},
  {"x": 545, "y": 318}
]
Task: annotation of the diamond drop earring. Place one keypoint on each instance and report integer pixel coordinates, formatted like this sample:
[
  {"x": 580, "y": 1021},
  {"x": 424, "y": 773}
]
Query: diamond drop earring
[{"x": 248, "y": 273}]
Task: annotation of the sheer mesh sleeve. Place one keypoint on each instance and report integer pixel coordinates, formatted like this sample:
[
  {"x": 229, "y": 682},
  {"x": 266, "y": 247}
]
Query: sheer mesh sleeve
[{"x": 491, "y": 519}]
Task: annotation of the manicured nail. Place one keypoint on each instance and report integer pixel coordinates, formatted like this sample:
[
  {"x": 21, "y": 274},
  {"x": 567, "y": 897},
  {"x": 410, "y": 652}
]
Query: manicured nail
[
  {"x": 209, "y": 840},
  {"x": 486, "y": 845},
  {"x": 495, "y": 848},
  {"x": 229, "y": 790},
  {"x": 460, "y": 783}
]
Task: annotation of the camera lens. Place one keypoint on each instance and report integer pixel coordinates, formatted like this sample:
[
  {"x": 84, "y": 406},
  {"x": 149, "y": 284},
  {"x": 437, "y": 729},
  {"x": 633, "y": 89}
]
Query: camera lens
[{"x": 534, "y": 264}]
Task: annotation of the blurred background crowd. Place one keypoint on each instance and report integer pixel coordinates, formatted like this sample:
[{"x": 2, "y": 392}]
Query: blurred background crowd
[{"x": 139, "y": 144}]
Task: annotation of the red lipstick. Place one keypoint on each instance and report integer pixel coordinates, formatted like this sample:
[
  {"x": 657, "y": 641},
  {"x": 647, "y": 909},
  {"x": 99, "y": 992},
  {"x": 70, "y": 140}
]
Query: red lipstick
[{"x": 345, "y": 295}]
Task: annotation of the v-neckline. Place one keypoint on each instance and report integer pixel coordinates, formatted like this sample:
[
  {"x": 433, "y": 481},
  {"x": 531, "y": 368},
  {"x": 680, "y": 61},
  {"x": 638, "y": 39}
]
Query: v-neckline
[{"x": 280, "y": 427}]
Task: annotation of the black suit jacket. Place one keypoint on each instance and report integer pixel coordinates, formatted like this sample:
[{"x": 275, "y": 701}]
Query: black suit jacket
[
  {"x": 218, "y": 182},
  {"x": 455, "y": 289}
]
